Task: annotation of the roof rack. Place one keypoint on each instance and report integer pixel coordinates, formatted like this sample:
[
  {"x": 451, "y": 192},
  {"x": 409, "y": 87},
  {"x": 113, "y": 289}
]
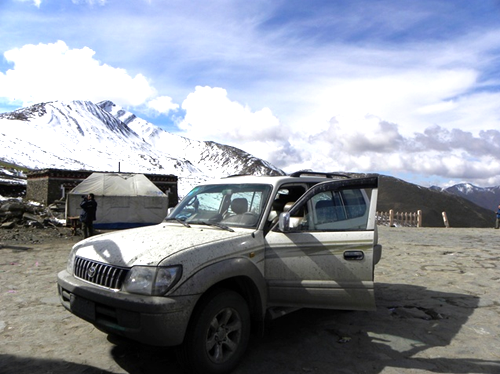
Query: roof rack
[
  {"x": 320, "y": 174},
  {"x": 236, "y": 175}
]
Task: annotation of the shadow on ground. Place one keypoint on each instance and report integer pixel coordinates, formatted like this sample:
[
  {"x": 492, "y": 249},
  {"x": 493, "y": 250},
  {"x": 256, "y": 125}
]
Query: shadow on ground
[
  {"x": 413, "y": 329},
  {"x": 10, "y": 364},
  {"x": 409, "y": 323}
]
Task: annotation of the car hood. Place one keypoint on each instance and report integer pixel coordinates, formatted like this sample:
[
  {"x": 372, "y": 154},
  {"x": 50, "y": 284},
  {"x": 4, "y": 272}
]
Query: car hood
[{"x": 149, "y": 245}]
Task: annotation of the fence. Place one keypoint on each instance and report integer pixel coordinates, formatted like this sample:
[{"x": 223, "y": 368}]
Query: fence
[{"x": 406, "y": 219}]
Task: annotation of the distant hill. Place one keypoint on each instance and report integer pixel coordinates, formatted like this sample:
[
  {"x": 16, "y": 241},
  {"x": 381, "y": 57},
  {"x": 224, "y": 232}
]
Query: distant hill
[
  {"x": 402, "y": 196},
  {"x": 486, "y": 197}
]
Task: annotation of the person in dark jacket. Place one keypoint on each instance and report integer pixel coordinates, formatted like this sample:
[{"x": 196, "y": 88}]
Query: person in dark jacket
[
  {"x": 88, "y": 215},
  {"x": 497, "y": 222}
]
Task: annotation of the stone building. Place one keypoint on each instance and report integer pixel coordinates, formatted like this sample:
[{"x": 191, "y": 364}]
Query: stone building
[
  {"x": 48, "y": 185},
  {"x": 12, "y": 183}
]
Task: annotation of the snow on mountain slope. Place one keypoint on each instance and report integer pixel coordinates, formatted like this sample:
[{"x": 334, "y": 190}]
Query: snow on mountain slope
[
  {"x": 206, "y": 155},
  {"x": 486, "y": 197},
  {"x": 100, "y": 137}
]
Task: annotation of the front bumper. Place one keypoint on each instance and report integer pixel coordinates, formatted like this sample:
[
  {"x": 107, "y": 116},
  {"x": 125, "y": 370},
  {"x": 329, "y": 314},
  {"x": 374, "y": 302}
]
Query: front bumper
[
  {"x": 377, "y": 253},
  {"x": 151, "y": 320}
]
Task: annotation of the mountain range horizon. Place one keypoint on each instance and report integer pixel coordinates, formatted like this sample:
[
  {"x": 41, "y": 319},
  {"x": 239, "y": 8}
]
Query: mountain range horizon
[
  {"x": 105, "y": 137},
  {"x": 83, "y": 135}
]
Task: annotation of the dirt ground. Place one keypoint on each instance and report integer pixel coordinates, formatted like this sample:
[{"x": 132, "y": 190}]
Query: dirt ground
[{"x": 438, "y": 298}]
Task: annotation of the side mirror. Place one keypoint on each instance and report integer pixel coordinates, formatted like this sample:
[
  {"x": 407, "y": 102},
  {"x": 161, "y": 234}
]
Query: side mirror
[{"x": 284, "y": 222}]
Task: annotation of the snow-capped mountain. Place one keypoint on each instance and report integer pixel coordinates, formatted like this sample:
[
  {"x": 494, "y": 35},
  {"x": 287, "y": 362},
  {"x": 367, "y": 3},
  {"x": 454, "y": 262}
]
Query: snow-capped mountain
[
  {"x": 83, "y": 135},
  {"x": 210, "y": 157},
  {"x": 486, "y": 197}
]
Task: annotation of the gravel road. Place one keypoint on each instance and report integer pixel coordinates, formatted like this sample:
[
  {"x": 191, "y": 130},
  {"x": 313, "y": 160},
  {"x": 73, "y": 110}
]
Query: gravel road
[{"x": 438, "y": 298}]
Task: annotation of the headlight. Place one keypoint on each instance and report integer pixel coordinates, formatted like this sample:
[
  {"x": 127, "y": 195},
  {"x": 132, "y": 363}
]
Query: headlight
[
  {"x": 70, "y": 265},
  {"x": 151, "y": 280}
]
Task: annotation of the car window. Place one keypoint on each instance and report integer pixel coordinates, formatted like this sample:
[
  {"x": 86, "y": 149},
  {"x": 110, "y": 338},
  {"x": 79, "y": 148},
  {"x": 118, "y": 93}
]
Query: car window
[
  {"x": 231, "y": 204},
  {"x": 286, "y": 195},
  {"x": 334, "y": 210},
  {"x": 253, "y": 198}
]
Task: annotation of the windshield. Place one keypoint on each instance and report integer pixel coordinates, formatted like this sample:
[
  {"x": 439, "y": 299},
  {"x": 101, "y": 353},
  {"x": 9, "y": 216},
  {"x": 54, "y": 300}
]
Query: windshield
[{"x": 238, "y": 205}]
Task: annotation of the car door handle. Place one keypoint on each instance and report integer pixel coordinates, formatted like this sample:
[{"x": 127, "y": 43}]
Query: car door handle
[{"x": 354, "y": 255}]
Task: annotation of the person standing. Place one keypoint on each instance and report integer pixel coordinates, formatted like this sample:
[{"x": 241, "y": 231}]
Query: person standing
[
  {"x": 497, "y": 222},
  {"x": 88, "y": 215}
]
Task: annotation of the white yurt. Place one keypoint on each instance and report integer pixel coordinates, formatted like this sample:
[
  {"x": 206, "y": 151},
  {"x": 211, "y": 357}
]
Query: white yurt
[{"x": 123, "y": 200}]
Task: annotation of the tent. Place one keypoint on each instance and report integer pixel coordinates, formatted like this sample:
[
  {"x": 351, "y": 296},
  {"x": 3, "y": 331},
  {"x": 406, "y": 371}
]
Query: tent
[{"x": 123, "y": 200}]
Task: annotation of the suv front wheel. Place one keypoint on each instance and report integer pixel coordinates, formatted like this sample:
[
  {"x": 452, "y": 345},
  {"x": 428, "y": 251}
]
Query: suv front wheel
[{"x": 217, "y": 335}]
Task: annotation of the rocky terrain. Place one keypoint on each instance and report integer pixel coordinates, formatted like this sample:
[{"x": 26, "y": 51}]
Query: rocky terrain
[{"x": 29, "y": 223}]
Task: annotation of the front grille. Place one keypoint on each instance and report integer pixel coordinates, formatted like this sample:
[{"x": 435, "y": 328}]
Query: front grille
[{"x": 98, "y": 273}]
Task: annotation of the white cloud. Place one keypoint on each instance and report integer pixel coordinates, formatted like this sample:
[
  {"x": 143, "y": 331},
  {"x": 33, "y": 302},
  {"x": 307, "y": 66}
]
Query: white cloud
[
  {"x": 36, "y": 3},
  {"x": 404, "y": 97},
  {"x": 444, "y": 106},
  {"x": 211, "y": 114},
  {"x": 348, "y": 142},
  {"x": 365, "y": 92},
  {"x": 47, "y": 72},
  {"x": 90, "y": 2},
  {"x": 162, "y": 104}
]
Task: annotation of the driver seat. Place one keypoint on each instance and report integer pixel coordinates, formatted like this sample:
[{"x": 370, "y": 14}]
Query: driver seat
[{"x": 239, "y": 206}]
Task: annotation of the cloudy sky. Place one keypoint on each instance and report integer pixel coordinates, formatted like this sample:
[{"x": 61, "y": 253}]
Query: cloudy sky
[{"x": 405, "y": 88}]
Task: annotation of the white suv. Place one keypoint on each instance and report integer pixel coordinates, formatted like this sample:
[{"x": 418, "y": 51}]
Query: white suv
[{"x": 230, "y": 255}]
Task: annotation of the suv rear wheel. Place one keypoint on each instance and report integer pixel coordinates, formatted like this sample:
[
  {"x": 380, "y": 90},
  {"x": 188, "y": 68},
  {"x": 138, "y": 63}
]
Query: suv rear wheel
[{"x": 218, "y": 334}]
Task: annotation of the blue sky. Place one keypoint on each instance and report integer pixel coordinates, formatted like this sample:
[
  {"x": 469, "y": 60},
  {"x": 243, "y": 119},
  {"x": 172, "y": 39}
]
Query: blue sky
[{"x": 404, "y": 88}]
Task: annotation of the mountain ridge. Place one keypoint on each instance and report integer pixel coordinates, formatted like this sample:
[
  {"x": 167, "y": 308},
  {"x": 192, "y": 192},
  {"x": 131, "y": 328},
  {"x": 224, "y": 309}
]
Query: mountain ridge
[
  {"x": 83, "y": 135},
  {"x": 402, "y": 196},
  {"x": 486, "y": 197},
  {"x": 210, "y": 153}
]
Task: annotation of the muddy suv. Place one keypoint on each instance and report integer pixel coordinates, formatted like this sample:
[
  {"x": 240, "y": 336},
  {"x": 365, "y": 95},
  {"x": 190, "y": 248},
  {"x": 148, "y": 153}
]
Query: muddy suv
[{"x": 231, "y": 255}]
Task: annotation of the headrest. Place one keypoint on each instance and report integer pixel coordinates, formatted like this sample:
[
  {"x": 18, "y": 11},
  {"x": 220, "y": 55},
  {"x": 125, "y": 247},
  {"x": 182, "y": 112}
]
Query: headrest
[{"x": 239, "y": 206}]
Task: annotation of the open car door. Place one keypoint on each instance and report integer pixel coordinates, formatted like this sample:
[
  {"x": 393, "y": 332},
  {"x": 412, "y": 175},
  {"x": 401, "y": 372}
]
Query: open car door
[{"x": 321, "y": 255}]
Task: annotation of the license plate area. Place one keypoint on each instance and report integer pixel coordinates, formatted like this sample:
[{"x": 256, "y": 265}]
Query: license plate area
[{"x": 82, "y": 307}]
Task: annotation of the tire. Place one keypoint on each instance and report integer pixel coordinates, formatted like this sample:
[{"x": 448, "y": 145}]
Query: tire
[{"x": 218, "y": 334}]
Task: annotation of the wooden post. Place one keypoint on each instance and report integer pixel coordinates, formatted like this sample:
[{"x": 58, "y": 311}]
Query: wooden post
[
  {"x": 445, "y": 220},
  {"x": 404, "y": 219}
]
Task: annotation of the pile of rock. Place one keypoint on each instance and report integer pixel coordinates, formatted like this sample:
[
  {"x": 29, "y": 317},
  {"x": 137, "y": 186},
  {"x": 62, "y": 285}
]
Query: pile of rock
[{"x": 15, "y": 212}]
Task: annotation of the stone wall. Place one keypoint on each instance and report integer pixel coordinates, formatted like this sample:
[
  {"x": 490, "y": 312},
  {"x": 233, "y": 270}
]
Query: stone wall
[
  {"x": 167, "y": 184},
  {"x": 48, "y": 185}
]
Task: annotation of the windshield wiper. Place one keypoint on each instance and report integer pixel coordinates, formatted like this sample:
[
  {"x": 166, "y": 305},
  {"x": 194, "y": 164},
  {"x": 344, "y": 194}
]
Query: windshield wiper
[
  {"x": 219, "y": 225},
  {"x": 179, "y": 221}
]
